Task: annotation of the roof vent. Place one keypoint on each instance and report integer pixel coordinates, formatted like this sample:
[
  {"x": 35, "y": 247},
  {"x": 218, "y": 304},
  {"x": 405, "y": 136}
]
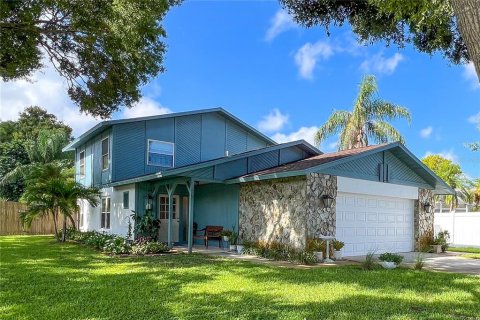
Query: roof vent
[{"x": 226, "y": 153}]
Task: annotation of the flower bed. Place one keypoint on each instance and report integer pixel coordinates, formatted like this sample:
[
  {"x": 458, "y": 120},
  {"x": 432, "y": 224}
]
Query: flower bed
[
  {"x": 116, "y": 245},
  {"x": 278, "y": 251}
]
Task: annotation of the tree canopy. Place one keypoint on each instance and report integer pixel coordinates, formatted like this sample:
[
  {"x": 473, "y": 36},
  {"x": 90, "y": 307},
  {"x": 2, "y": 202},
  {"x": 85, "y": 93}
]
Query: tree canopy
[
  {"x": 368, "y": 120},
  {"x": 429, "y": 25},
  {"x": 36, "y": 137},
  {"x": 105, "y": 50}
]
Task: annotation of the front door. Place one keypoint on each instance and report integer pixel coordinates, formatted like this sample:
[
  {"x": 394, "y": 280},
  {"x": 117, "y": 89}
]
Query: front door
[{"x": 163, "y": 216}]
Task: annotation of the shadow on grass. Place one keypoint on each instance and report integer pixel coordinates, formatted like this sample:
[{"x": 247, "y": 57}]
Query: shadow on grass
[{"x": 42, "y": 279}]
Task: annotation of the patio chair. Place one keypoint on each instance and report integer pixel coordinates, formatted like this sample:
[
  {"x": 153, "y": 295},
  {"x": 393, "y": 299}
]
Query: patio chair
[{"x": 209, "y": 233}]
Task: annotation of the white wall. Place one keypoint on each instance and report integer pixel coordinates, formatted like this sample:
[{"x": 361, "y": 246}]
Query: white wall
[
  {"x": 374, "y": 188},
  {"x": 118, "y": 216},
  {"x": 464, "y": 227}
]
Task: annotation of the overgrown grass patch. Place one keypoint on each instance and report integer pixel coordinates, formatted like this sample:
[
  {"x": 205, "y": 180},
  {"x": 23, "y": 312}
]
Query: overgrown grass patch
[{"x": 43, "y": 279}]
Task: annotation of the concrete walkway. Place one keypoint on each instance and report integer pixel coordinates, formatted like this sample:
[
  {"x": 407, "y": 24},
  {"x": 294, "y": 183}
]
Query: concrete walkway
[{"x": 449, "y": 262}]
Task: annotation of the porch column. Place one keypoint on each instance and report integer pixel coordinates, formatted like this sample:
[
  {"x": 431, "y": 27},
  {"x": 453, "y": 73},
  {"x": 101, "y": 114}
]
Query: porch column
[
  {"x": 170, "y": 190},
  {"x": 191, "y": 190}
]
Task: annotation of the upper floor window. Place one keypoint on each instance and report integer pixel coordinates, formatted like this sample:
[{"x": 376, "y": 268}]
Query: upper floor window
[
  {"x": 160, "y": 153},
  {"x": 82, "y": 164},
  {"x": 105, "y": 151}
]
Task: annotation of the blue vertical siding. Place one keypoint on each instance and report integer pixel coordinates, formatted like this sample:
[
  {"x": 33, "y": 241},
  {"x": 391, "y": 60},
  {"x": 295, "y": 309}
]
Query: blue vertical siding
[
  {"x": 213, "y": 136},
  {"x": 188, "y": 133},
  {"x": 254, "y": 143},
  {"x": 291, "y": 154},
  {"x": 128, "y": 150},
  {"x": 236, "y": 139},
  {"x": 216, "y": 204},
  {"x": 263, "y": 161},
  {"x": 399, "y": 172},
  {"x": 198, "y": 137}
]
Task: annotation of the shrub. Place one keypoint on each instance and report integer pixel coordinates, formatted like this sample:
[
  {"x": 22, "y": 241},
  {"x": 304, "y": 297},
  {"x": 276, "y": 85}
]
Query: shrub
[
  {"x": 425, "y": 241},
  {"x": 419, "y": 262},
  {"x": 145, "y": 247},
  {"x": 317, "y": 245},
  {"x": 337, "y": 245},
  {"x": 278, "y": 251},
  {"x": 147, "y": 225},
  {"x": 369, "y": 262},
  {"x": 442, "y": 239},
  {"x": 108, "y": 243},
  {"x": 391, "y": 257},
  {"x": 117, "y": 245}
]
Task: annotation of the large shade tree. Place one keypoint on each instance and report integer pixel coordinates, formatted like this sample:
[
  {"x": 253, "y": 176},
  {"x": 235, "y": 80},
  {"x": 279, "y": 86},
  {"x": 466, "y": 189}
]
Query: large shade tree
[
  {"x": 105, "y": 50},
  {"x": 51, "y": 190},
  {"x": 448, "y": 26},
  {"x": 369, "y": 120}
]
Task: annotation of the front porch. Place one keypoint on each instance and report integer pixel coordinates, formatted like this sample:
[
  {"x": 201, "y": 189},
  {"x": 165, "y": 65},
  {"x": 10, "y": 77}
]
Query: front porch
[{"x": 183, "y": 203}]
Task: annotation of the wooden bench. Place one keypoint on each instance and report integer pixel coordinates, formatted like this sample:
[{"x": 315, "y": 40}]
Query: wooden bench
[{"x": 209, "y": 233}]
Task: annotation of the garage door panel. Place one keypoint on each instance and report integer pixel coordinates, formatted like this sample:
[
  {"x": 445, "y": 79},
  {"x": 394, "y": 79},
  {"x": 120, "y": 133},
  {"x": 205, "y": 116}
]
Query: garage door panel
[{"x": 368, "y": 223}]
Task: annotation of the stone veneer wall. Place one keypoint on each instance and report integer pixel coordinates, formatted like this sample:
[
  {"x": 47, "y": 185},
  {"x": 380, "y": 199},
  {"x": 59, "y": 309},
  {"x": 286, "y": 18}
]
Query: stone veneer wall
[
  {"x": 273, "y": 210},
  {"x": 321, "y": 220},
  {"x": 287, "y": 210},
  {"x": 423, "y": 221}
]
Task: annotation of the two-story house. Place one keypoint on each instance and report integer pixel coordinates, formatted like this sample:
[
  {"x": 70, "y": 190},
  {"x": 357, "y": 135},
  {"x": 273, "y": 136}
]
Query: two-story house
[{"x": 211, "y": 168}]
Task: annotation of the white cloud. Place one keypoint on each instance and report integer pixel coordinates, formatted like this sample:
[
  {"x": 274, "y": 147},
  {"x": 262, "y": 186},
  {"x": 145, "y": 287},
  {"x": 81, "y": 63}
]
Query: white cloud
[
  {"x": 447, "y": 154},
  {"x": 426, "y": 132},
  {"x": 307, "y": 56},
  {"x": 48, "y": 90},
  {"x": 305, "y": 133},
  {"x": 280, "y": 23},
  {"x": 145, "y": 107},
  {"x": 379, "y": 64},
  {"x": 274, "y": 121},
  {"x": 475, "y": 119},
  {"x": 470, "y": 75}
]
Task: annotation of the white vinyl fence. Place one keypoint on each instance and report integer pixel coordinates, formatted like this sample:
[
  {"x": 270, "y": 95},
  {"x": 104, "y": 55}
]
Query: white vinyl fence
[{"x": 464, "y": 227}]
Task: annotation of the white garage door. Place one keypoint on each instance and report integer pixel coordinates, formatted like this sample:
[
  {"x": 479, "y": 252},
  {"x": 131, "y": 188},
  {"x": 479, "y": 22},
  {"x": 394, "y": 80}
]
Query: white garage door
[{"x": 371, "y": 223}]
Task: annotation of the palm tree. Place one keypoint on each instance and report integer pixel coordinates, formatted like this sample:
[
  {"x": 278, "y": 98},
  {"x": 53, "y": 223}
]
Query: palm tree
[
  {"x": 368, "y": 120},
  {"x": 51, "y": 190},
  {"x": 47, "y": 148}
]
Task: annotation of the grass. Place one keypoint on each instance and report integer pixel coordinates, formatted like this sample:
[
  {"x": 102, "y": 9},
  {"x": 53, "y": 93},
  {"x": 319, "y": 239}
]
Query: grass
[
  {"x": 470, "y": 252},
  {"x": 42, "y": 279}
]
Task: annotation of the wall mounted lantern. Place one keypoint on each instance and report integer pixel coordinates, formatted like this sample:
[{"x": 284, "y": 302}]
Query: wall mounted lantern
[
  {"x": 327, "y": 200},
  {"x": 149, "y": 203},
  {"x": 427, "y": 207}
]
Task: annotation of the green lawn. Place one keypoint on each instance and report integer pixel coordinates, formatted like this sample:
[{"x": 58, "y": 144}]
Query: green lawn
[
  {"x": 41, "y": 279},
  {"x": 473, "y": 253}
]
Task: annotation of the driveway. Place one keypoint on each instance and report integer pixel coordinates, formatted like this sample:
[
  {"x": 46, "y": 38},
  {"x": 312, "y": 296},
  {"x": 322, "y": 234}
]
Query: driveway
[{"x": 450, "y": 262}]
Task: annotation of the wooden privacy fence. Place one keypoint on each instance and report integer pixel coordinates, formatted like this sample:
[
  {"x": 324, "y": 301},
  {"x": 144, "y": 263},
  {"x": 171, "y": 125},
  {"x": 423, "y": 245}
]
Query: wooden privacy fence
[{"x": 10, "y": 221}]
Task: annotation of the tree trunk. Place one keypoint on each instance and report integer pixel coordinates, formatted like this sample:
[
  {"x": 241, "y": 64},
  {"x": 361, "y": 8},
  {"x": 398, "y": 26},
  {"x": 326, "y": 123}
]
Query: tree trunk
[
  {"x": 55, "y": 224},
  {"x": 64, "y": 232},
  {"x": 467, "y": 13}
]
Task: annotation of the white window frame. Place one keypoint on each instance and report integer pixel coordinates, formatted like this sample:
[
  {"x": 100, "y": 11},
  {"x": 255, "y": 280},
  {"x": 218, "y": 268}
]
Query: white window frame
[
  {"x": 148, "y": 151},
  {"x": 106, "y": 154},
  {"x": 175, "y": 206},
  {"x": 104, "y": 219},
  {"x": 82, "y": 176}
]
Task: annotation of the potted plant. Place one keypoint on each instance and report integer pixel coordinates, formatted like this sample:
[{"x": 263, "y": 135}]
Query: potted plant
[
  {"x": 226, "y": 234},
  {"x": 317, "y": 246},
  {"x": 440, "y": 244},
  {"x": 337, "y": 247},
  {"x": 390, "y": 260},
  {"x": 233, "y": 241}
]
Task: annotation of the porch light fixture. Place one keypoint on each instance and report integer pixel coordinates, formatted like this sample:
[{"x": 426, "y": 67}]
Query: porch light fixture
[
  {"x": 149, "y": 203},
  {"x": 427, "y": 206},
  {"x": 327, "y": 200}
]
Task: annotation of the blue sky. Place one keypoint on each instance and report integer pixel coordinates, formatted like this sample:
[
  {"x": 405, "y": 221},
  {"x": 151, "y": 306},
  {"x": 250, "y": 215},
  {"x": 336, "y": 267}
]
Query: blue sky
[{"x": 251, "y": 59}]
